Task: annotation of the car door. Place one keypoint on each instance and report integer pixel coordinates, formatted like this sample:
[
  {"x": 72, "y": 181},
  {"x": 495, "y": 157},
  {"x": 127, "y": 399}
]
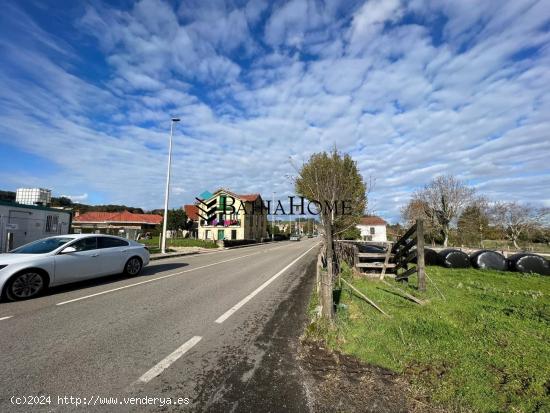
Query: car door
[
  {"x": 81, "y": 264},
  {"x": 114, "y": 252}
]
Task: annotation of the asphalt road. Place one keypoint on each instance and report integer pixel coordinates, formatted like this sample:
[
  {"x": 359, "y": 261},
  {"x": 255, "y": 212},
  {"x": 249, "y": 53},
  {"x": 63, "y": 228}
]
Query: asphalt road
[{"x": 210, "y": 330}]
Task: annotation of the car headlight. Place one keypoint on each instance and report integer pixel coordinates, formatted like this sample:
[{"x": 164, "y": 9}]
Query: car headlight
[{"x": 3, "y": 266}]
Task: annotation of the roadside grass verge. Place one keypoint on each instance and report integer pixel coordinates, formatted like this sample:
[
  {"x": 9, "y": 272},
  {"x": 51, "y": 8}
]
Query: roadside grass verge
[
  {"x": 485, "y": 348},
  {"x": 179, "y": 242}
]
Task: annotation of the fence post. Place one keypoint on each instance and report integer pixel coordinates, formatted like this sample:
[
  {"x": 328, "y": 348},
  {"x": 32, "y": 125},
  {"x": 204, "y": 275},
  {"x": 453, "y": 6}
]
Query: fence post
[{"x": 420, "y": 264}]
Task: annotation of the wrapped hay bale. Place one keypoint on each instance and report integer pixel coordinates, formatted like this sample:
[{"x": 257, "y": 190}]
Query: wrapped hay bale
[
  {"x": 488, "y": 260},
  {"x": 525, "y": 262},
  {"x": 454, "y": 258}
]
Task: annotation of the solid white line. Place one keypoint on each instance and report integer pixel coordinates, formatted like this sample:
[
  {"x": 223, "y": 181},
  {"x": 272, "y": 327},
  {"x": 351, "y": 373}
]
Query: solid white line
[
  {"x": 154, "y": 279},
  {"x": 250, "y": 296},
  {"x": 166, "y": 362},
  {"x": 5, "y": 318}
]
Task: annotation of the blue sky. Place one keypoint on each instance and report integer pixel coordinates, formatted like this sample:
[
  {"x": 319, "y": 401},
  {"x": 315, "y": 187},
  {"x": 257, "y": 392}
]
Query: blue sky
[{"x": 411, "y": 89}]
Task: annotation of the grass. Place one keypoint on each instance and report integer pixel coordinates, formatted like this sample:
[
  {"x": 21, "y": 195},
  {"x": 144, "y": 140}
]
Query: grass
[
  {"x": 485, "y": 348},
  {"x": 524, "y": 246},
  {"x": 153, "y": 243}
]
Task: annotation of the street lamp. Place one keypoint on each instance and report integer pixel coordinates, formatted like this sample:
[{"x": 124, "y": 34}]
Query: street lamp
[
  {"x": 273, "y": 219},
  {"x": 163, "y": 244}
]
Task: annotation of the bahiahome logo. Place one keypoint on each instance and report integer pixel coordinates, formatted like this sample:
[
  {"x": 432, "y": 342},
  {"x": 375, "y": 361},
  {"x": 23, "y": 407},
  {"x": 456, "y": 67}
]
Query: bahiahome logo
[{"x": 209, "y": 206}]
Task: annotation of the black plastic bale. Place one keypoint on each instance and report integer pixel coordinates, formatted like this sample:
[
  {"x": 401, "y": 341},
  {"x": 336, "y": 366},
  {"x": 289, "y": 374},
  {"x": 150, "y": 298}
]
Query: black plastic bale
[
  {"x": 431, "y": 257},
  {"x": 371, "y": 248},
  {"x": 455, "y": 258},
  {"x": 488, "y": 260},
  {"x": 524, "y": 262}
]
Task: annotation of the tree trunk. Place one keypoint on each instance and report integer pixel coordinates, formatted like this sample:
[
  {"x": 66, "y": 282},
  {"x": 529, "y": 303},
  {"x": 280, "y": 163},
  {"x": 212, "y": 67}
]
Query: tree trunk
[
  {"x": 327, "y": 310},
  {"x": 515, "y": 241},
  {"x": 445, "y": 236}
]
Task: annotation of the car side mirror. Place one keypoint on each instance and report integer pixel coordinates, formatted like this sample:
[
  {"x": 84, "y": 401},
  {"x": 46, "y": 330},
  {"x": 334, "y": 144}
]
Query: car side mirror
[{"x": 68, "y": 250}]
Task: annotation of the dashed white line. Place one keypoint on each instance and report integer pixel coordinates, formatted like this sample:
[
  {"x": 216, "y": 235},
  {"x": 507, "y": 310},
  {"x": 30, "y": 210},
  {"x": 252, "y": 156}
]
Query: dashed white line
[
  {"x": 168, "y": 360},
  {"x": 154, "y": 279},
  {"x": 5, "y": 318},
  {"x": 250, "y": 296}
]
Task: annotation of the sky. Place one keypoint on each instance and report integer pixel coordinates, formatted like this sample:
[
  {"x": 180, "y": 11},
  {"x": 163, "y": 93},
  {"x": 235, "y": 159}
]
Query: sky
[{"x": 411, "y": 90}]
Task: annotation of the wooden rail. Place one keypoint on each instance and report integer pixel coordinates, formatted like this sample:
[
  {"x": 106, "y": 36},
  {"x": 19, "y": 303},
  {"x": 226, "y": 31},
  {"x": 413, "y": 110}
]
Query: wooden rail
[
  {"x": 348, "y": 252},
  {"x": 405, "y": 250}
]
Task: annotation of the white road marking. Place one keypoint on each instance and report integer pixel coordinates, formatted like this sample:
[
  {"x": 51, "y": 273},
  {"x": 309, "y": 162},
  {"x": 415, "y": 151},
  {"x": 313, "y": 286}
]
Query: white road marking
[
  {"x": 166, "y": 362},
  {"x": 250, "y": 296},
  {"x": 5, "y": 318},
  {"x": 202, "y": 254},
  {"x": 155, "y": 279}
]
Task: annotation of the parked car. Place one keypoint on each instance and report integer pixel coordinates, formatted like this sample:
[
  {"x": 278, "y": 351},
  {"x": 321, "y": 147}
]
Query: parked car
[
  {"x": 294, "y": 237},
  {"x": 27, "y": 271}
]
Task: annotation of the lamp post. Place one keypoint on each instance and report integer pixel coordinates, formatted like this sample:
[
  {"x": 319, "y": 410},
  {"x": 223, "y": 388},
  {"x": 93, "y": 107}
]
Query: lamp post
[
  {"x": 163, "y": 244},
  {"x": 273, "y": 219}
]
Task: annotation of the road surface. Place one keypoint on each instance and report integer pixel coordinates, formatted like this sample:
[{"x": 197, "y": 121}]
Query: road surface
[{"x": 208, "y": 332}]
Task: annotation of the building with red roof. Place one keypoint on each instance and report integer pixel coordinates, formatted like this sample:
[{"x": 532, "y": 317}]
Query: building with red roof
[
  {"x": 125, "y": 224},
  {"x": 372, "y": 228}
]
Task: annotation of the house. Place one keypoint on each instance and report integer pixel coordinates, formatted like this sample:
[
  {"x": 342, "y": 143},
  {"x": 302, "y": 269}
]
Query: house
[
  {"x": 372, "y": 228},
  {"x": 192, "y": 213},
  {"x": 124, "y": 224},
  {"x": 225, "y": 215},
  {"x": 21, "y": 224}
]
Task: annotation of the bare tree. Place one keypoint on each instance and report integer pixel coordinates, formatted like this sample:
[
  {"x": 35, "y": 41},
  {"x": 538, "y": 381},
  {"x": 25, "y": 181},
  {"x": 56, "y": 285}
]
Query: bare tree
[
  {"x": 439, "y": 203},
  {"x": 516, "y": 219},
  {"x": 330, "y": 179}
]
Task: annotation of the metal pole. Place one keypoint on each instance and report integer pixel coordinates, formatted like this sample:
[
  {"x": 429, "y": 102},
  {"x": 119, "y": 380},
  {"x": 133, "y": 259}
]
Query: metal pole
[
  {"x": 165, "y": 221},
  {"x": 273, "y": 219}
]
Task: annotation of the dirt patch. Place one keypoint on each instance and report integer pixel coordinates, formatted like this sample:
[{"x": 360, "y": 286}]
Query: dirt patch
[{"x": 340, "y": 383}]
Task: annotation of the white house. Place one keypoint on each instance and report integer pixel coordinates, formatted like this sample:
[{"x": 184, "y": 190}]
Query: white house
[{"x": 372, "y": 228}]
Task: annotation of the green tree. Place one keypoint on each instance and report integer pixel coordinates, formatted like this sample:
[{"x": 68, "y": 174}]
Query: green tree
[
  {"x": 177, "y": 220},
  {"x": 352, "y": 233},
  {"x": 473, "y": 223},
  {"x": 334, "y": 182}
]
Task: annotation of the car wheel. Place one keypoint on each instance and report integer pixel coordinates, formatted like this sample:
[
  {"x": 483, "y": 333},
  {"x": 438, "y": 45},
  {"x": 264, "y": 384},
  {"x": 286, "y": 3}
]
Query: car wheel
[
  {"x": 133, "y": 266},
  {"x": 25, "y": 285}
]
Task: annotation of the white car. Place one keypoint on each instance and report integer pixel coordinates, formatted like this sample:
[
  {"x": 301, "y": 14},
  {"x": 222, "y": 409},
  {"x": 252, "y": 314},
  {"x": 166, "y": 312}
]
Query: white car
[{"x": 28, "y": 270}]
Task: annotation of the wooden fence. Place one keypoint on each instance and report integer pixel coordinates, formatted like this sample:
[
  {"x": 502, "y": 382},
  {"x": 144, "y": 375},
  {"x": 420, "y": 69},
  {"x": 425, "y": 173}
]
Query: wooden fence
[{"x": 407, "y": 250}]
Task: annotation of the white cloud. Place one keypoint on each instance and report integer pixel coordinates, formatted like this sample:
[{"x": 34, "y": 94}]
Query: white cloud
[
  {"x": 77, "y": 198},
  {"x": 256, "y": 82}
]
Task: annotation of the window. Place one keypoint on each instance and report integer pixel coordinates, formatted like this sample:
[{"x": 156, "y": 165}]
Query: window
[
  {"x": 108, "y": 242},
  {"x": 233, "y": 234},
  {"x": 85, "y": 244},
  {"x": 42, "y": 246},
  {"x": 372, "y": 230},
  {"x": 207, "y": 234},
  {"x": 51, "y": 223}
]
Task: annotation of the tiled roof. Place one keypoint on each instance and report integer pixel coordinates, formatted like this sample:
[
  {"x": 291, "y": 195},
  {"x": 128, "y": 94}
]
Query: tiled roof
[
  {"x": 244, "y": 197},
  {"x": 371, "y": 220},
  {"x": 124, "y": 216},
  {"x": 248, "y": 197},
  {"x": 192, "y": 212}
]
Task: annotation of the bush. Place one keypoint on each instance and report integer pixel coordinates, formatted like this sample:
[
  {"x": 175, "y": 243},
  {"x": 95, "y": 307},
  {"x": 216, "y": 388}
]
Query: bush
[{"x": 237, "y": 242}]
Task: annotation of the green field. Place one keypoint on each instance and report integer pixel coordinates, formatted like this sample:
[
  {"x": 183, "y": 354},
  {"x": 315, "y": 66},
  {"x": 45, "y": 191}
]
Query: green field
[
  {"x": 524, "y": 246},
  {"x": 484, "y": 348}
]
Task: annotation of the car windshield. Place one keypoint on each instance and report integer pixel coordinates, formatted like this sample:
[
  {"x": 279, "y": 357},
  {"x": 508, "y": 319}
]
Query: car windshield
[{"x": 42, "y": 246}]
